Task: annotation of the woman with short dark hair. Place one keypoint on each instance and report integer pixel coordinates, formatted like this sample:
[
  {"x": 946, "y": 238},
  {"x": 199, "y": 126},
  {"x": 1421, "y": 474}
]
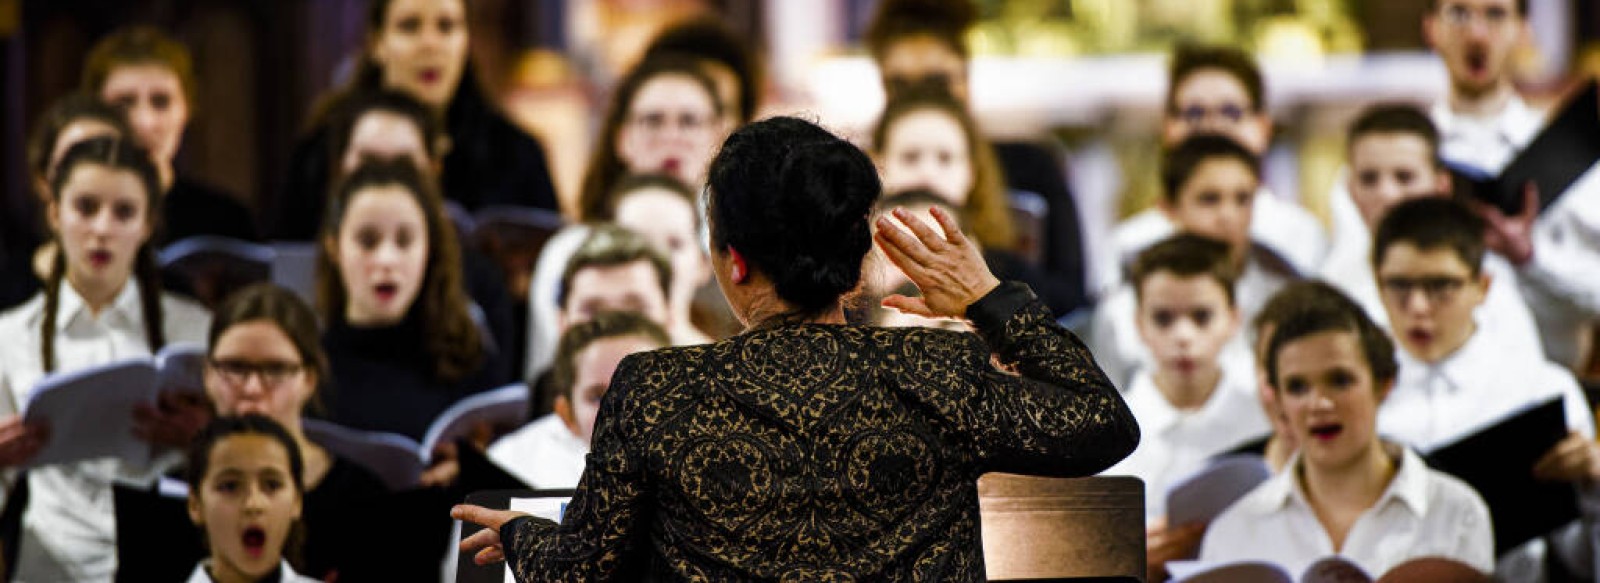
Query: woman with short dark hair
[{"x": 806, "y": 449}]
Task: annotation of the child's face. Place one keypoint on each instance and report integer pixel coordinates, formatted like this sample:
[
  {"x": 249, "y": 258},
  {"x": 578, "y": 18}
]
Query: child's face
[
  {"x": 595, "y": 365},
  {"x": 1430, "y": 295},
  {"x": 672, "y": 128},
  {"x": 382, "y": 253},
  {"x": 920, "y": 60},
  {"x": 255, "y": 368},
  {"x": 1325, "y": 387},
  {"x": 1217, "y": 202},
  {"x": 152, "y": 97},
  {"x": 1185, "y": 321},
  {"x": 1387, "y": 169},
  {"x": 101, "y": 214},
  {"x": 629, "y": 287},
  {"x": 669, "y": 223},
  {"x": 928, "y": 149},
  {"x": 1212, "y": 101},
  {"x": 246, "y": 504}
]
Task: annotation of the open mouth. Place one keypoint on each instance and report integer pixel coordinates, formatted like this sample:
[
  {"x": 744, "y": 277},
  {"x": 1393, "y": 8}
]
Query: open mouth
[
  {"x": 1419, "y": 336},
  {"x": 99, "y": 258},
  {"x": 1185, "y": 365},
  {"x": 1477, "y": 62},
  {"x": 254, "y": 540},
  {"x": 670, "y": 165},
  {"x": 386, "y": 291},
  {"x": 1326, "y": 431},
  {"x": 430, "y": 76}
]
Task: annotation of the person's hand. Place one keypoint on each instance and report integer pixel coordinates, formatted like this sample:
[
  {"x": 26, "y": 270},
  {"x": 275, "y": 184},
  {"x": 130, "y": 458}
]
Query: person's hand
[
  {"x": 174, "y": 421},
  {"x": 20, "y": 441},
  {"x": 947, "y": 268},
  {"x": 1510, "y": 236},
  {"x": 1166, "y": 544},
  {"x": 484, "y": 544},
  {"x": 444, "y": 466},
  {"x": 1576, "y": 459}
]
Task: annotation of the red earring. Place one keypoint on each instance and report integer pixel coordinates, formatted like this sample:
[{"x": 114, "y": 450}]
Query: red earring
[{"x": 738, "y": 272}]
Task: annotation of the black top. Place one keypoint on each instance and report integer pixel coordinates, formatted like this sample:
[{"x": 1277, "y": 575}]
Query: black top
[
  {"x": 490, "y": 162},
  {"x": 819, "y": 452},
  {"x": 1036, "y": 169},
  {"x": 383, "y": 379},
  {"x": 335, "y": 513},
  {"x": 192, "y": 208}
]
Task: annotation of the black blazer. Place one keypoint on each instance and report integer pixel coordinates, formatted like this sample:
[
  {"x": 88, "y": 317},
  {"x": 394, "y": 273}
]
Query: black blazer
[{"x": 815, "y": 452}]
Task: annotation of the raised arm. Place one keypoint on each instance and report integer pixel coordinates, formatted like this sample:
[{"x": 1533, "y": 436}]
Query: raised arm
[{"x": 1059, "y": 415}]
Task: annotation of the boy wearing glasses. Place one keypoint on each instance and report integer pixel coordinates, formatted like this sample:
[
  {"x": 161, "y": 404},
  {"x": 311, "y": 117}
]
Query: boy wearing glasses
[
  {"x": 1218, "y": 90},
  {"x": 1485, "y": 124},
  {"x": 1455, "y": 376},
  {"x": 1392, "y": 155}
]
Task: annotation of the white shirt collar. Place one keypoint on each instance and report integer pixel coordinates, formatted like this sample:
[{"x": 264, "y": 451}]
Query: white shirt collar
[
  {"x": 1409, "y": 485},
  {"x": 1458, "y": 369},
  {"x": 125, "y": 307},
  {"x": 1514, "y": 125},
  {"x": 1157, "y": 414}
]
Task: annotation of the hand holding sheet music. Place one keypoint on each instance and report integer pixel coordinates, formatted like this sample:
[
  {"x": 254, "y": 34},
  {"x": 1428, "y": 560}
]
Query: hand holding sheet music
[{"x": 107, "y": 428}]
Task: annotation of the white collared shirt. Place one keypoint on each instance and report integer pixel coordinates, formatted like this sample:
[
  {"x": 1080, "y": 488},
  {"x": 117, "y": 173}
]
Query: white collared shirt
[
  {"x": 69, "y": 526},
  {"x": 1433, "y": 404},
  {"x": 1118, "y": 349},
  {"x": 1422, "y": 513},
  {"x": 544, "y": 453},
  {"x": 1504, "y": 313},
  {"x": 1562, "y": 282},
  {"x": 286, "y": 574},
  {"x": 1175, "y": 443}
]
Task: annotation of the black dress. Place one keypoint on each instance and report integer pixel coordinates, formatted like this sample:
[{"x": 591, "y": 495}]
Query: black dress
[
  {"x": 383, "y": 380},
  {"x": 490, "y": 162},
  {"x": 336, "y": 512},
  {"x": 816, "y": 452},
  {"x": 192, "y": 208}
]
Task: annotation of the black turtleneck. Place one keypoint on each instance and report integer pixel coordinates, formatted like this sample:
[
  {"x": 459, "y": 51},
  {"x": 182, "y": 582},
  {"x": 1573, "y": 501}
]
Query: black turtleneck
[{"x": 382, "y": 378}]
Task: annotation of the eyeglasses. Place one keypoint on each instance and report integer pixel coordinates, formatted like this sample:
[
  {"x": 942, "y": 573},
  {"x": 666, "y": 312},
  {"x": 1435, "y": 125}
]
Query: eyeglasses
[
  {"x": 1461, "y": 16},
  {"x": 272, "y": 374},
  {"x": 657, "y": 122},
  {"x": 1199, "y": 115},
  {"x": 1436, "y": 289}
]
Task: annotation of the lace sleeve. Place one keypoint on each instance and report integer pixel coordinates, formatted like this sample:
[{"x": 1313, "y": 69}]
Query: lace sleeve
[
  {"x": 1059, "y": 415},
  {"x": 593, "y": 541}
]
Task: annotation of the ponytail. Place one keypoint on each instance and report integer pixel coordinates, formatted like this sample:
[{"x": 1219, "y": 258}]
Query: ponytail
[
  {"x": 148, "y": 274},
  {"x": 52, "y": 303}
]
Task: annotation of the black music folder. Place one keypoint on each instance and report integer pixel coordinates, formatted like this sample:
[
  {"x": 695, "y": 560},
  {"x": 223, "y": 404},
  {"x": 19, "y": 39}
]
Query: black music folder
[
  {"x": 1498, "y": 460},
  {"x": 1567, "y": 147}
]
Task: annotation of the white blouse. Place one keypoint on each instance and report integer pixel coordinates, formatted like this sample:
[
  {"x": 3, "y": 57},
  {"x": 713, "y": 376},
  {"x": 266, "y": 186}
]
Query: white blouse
[
  {"x": 1422, "y": 513},
  {"x": 69, "y": 526},
  {"x": 544, "y": 453},
  {"x": 1175, "y": 443}
]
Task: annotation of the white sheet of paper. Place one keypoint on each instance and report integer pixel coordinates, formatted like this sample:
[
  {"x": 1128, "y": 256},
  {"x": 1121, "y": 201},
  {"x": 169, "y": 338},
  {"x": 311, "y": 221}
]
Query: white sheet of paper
[{"x": 548, "y": 508}]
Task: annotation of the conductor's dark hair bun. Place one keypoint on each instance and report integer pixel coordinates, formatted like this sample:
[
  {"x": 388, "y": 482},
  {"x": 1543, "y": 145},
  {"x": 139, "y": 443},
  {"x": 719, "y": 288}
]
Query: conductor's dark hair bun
[{"x": 795, "y": 201}]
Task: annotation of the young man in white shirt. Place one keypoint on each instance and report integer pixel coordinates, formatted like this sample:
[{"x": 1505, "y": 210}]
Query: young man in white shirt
[
  {"x": 1485, "y": 124},
  {"x": 1219, "y": 90},
  {"x": 1455, "y": 379},
  {"x": 1210, "y": 184},
  {"x": 1347, "y": 492},
  {"x": 1188, "y": 407},
  {"x": 1393, "y": 157},
  {"x": 548, "y": 453}
]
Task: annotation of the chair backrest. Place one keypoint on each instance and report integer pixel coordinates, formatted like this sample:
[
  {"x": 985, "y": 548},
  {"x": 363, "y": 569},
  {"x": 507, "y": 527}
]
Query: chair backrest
[
  {"x": 1055, "y": 528},
  {"x": 294, "y": 267}
]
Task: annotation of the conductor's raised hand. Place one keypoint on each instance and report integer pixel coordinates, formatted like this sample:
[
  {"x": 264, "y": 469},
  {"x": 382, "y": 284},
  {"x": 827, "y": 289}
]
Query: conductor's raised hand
[
  {"x": 946, "y": 267},
  {"x": 485, "y": 544}
]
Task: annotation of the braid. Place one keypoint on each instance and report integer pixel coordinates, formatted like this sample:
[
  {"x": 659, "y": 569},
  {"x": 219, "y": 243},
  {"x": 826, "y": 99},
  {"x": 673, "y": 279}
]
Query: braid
[
  {"x": 149, "y": 278},
  {"x": 52, "y": 303}
]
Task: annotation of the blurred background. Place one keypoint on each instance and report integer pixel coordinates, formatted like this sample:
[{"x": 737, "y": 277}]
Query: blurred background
[{"x": 1086, "y": 76}]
